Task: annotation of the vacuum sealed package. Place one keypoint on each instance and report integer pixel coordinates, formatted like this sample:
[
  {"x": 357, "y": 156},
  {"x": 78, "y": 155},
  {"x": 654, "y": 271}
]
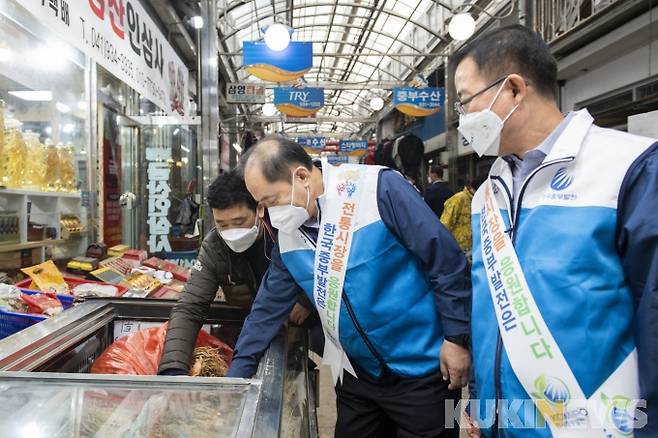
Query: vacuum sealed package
[
  {"x": 139, "y": 354},
  {"x": 47, "y": 278},
  {"x": 43, "y": 304}
]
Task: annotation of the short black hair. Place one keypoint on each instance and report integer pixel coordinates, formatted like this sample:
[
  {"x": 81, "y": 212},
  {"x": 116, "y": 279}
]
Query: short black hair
[
  {"x": 436, "y": 170},
  {"x": 277, "y": 154},
  {"x": 512, "y": 49},
  {"x": 228, "y": 190}
]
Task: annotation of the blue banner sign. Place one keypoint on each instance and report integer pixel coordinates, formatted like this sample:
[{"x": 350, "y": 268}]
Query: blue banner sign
[
  {"x": 284, "y": 66},
  {"x": 418, "y": 102}
]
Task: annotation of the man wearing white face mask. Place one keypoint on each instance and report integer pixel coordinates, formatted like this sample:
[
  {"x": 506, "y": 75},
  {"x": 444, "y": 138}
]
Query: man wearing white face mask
[
  {"x": 233, "y": 256},
  {"x": 388, "y": 281},
  {"x": 565, "y": 253}
]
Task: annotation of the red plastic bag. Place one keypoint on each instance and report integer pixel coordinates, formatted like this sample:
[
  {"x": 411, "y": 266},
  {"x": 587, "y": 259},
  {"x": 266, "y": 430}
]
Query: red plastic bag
[
  {"x": 45, "y": 303},
  {"x": 139, "y": 353}
]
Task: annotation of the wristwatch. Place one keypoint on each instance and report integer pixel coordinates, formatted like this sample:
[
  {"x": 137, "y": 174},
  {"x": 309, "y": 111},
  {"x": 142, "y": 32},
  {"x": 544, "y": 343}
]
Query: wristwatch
[{"x": 461, "y": 340}]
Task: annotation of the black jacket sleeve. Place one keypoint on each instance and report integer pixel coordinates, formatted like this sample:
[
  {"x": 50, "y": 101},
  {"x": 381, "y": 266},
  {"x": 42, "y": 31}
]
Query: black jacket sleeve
[{"x": 191, "y": 311}]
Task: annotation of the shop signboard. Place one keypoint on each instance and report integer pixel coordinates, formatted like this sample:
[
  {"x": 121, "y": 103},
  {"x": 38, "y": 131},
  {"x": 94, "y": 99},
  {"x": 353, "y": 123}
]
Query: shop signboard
[
  {"x": 314, "y": 143},
  {"x": 418, "y": 102},
  {"x": 121, "y": 36},
  {"x": 354, "y": 147},
  {"x": 298, "y": 102},
  {"x": 336, "y": 159},
  {"x": 245, "y": 93},
  {"x": 284, "y": 66},
  {"x": 158, "y": 160}
]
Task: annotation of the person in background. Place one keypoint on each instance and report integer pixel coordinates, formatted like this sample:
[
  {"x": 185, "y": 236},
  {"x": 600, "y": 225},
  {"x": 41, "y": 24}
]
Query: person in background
[
  {"x": 399, "y": 293},
  {"x": 233, "y": 256},
  {"x": 456, "y": 216},
  {"x": 565, "y": 251},
  {"x": 438, "y": 192}
]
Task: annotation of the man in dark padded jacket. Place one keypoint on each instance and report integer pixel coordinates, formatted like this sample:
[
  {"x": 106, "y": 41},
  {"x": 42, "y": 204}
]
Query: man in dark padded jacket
[{"x": 234, "y": 256}]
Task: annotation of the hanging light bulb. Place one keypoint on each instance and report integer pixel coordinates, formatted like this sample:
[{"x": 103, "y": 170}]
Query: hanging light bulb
[
  {"x": 277, "y": 37},
  {"x": 461, "y": 27},
  {"x": 269, "y": 109},
  {"x": 376, "y": 103}
]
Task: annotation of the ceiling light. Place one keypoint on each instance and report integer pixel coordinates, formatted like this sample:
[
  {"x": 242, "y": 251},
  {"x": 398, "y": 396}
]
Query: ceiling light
[
  {"x": 62, "y": 107},
  {"x": 176, "y": 131},
  {"x": 33, "y": 96},
  {"x": 461, "y": 27},
  {"x": 187, "y": 150},
  {"x": 82, "y": 105},
  {"x": 68, "y": 128},
  {"x": 196, "y": 22},
  {"x": 277, "y": 37},
  {"x": 237, "y": 148},
  {"x": 269, "y": 109},
  {"x": 376, "y": 103}
]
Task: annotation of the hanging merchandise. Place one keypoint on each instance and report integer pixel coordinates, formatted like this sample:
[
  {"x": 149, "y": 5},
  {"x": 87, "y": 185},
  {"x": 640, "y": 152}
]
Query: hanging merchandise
[
  {"x": 299, "y": 102},
  {"x": 418, "y": 102},
  {"x": 277, "y": 66}
]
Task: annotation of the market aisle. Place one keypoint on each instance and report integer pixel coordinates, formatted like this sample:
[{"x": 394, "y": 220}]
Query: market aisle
[{"x": 327, "y": 409}]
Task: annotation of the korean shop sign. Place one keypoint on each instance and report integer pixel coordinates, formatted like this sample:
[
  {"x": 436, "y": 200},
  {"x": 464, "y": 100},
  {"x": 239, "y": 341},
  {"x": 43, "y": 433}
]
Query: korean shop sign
[
  {"x": 298, "y": 102},
  {"x": 354, "y": 147},
  {"x": 245, "y": 93},
  {"x": 418, "y": 102},
  {"x": 313, "y": 143},
  {"x": 120, "y": 36},
  {"x": 158, "y": 198}
]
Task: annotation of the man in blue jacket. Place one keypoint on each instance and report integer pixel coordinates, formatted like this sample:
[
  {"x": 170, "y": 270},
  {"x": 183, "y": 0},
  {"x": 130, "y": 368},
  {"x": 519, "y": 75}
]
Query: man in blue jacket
[
  {"x": 389, "y": 283},
  {"x": 565, "y": 253}
]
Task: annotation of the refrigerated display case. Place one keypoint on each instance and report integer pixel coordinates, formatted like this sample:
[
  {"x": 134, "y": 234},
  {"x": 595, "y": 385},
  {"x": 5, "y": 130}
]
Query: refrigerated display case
[{"x": 45, "y": 369}]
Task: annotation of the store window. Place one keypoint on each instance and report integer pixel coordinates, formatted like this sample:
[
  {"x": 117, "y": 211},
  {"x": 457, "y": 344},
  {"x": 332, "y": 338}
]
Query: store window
[{"x": 44, "y": 138}]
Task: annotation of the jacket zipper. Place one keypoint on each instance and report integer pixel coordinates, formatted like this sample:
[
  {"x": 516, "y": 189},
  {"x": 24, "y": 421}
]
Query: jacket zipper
[
  {"x": 514, "y": 217},
  {"x": 357, "y": 326}
]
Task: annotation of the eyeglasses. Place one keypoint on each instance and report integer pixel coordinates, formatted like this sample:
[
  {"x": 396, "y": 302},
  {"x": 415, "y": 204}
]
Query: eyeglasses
[{"x": 459, "y": 105}]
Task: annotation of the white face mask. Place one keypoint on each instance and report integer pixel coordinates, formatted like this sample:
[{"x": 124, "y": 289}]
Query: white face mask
[
  {"x": 288, "y": 218},
  {"x": 482, "y": 129},
  {"x": 240, "y": 239}
]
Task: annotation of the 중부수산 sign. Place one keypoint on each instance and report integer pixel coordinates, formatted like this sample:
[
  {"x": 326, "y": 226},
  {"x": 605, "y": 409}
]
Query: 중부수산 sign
[
  {"x": 120, "y": 36},
  {"x": 418, "y": 102}
]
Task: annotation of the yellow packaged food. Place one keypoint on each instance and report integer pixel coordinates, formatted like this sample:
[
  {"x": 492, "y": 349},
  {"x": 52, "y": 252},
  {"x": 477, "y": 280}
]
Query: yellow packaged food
[
  {"x": 47, "y": 278},
  {"x": 15, "y": 151},
  {"x": 35, "y": 164}
]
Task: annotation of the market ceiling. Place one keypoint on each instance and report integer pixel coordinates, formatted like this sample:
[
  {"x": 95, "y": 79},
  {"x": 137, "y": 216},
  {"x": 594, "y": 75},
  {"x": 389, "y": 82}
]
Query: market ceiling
[{"x": 367, "y": 45}]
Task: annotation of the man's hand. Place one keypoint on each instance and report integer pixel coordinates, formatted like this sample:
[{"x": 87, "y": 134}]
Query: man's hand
[
  {"x": 455, "y": 364},
  {"x": 299, "y": 314}
]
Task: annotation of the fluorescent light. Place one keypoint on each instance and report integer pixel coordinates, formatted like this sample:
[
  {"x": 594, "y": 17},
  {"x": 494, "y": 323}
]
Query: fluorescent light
[
  {"x": 176, "y": 131},
  {"x": 237, "y": 148},
  {"x": 33, "y": 96},
  {"x": 461, "y": 27},
  {"x": 62, "y": 107},
  {"x": 196, "y": 22},
  {"x": 6, "y": 54},
  {"x": 184, "y": 160},
  {"x": 82, "y": 105},
  {"x": 48, "y": 130},
  {"x": 277, "y": 37},
  {"x": 185, "y": 149},
  {"x": 68, "y": 128}
]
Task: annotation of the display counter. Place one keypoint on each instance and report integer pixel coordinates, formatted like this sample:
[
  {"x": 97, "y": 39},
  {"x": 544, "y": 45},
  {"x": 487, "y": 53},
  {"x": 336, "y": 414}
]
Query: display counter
[{"x": 44, "y": 381}]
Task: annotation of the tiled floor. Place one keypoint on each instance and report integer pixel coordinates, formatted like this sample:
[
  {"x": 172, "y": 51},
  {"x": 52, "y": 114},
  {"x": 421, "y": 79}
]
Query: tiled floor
[{"x": 327, "y": 409}]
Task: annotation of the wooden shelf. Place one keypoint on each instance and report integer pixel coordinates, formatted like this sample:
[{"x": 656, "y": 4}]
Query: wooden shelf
[
  {"x": 30, "y": 245},
  {"x": 41, "y": 194}
]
